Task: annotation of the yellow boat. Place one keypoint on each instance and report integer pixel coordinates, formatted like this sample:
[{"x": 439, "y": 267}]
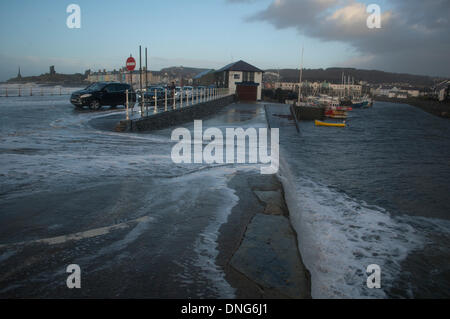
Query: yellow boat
[{"x": 320, "y": 123}]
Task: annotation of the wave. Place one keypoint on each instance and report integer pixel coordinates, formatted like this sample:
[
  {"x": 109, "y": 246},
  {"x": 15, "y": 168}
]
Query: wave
[{"x": 340, "y": 236}]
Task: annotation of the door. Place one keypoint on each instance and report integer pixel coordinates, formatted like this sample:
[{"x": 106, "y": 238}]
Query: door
[{"x": 247, "y": 92}]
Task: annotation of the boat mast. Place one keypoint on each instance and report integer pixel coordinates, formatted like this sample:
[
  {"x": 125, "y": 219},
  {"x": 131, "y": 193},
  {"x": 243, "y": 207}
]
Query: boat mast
[{"x": 301, "y": 75}]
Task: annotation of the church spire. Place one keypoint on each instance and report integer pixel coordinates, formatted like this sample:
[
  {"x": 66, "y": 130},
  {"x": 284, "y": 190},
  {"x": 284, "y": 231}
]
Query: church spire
[{"x": 18, "y": 74}]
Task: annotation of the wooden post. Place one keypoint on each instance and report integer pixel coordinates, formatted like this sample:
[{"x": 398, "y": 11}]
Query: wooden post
[{"x": 19, "y": 91}]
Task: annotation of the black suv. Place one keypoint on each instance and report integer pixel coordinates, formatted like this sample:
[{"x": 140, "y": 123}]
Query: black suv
[{"x": 103, "y": 93}]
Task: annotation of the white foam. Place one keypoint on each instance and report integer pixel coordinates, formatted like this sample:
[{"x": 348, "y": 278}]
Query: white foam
[{"x": 339, "y": 237}]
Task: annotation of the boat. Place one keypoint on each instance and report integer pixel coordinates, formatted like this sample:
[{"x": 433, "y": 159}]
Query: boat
[
  {"x": 336, "y": 114},
  {"x": 320, "y": 123},
  {"x": 335, "y": 111},
  {"x": 364, "y": 102},
  {"x": 360, "y": 104}
]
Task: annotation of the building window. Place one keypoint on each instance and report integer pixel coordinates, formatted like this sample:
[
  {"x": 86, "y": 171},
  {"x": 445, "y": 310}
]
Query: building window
[
  {"x": 237, "y": 76},
  {"x": 249, "y": 77}
]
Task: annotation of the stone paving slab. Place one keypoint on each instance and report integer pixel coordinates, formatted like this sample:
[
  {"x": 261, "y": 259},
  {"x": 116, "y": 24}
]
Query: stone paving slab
[{"x": 269, "y": 256}]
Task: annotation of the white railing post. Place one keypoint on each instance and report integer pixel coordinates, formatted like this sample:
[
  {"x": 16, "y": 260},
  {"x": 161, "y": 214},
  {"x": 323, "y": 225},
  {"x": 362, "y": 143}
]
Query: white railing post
[
  {"x": 174, "y": 100},
  {"x": 187, "y": 99},
  {"x": 128, "y": 116},
  {"x": 181, "y": 98},
  {"x": 156, "y": 102},
  {"x": 165, "y": 100},
  {"x": 192, "y": 92}
]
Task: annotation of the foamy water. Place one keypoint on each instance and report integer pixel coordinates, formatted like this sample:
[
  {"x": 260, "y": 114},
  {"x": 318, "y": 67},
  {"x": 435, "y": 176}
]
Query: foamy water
[{"x": 330, "y": 176}]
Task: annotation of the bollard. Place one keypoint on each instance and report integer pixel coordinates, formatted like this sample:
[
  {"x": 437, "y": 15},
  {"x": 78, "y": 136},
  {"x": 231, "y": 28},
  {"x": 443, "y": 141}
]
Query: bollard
[
  {"x": 156, "y": 102},
  {"x": 126, "y": 104},
  {"x": 165, "y": 100}
]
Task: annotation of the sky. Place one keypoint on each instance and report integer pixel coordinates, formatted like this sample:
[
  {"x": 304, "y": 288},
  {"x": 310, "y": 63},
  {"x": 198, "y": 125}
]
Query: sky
[{"x": 414, "y": 36}]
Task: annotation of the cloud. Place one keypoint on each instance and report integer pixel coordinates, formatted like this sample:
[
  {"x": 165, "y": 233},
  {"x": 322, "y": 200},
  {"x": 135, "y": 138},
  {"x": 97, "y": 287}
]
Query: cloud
[{"x": 414, "y": 36}]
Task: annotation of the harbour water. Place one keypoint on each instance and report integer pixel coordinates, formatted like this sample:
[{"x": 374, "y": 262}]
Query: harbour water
[
  {"x": 375, "y": 192},
  {"x": 372, "y": 193}
]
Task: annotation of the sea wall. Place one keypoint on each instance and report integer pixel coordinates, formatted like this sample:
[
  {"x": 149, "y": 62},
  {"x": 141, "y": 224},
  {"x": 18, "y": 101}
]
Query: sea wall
[
  {"x": 174, "y": 117},
  {"x": 309, "y": 113},
  {"x": 434, "y": 107}
]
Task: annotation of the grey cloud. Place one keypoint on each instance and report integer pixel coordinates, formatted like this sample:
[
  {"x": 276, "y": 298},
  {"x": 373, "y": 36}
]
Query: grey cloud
[{"x": 415, "y": 34}]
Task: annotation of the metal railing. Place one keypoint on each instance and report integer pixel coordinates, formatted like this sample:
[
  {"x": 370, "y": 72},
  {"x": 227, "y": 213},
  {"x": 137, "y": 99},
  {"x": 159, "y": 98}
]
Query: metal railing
[
  {"x": 26, "y": 90},
  {"x": 172, "y": 101}
]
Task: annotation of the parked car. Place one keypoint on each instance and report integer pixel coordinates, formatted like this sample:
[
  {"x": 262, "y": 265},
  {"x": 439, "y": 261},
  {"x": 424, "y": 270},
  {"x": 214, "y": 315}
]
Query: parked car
[
  {"x": 99, "y": 94},
  {"x": 149, "y": 93}
]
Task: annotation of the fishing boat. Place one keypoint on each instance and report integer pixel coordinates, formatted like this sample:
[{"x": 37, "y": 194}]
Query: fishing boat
[
  {"x": 336, "y": 114},
  {"x": 320, "y": 123},
  {"x": 360, "y": 104},
  {"x": 335, "y": 111},
  {"x": 364, "y": 102}
]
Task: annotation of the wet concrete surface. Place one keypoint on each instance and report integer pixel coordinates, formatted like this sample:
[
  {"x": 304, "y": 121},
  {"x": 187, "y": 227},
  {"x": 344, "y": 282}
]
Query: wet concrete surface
[{"x": 138, "y": 225}]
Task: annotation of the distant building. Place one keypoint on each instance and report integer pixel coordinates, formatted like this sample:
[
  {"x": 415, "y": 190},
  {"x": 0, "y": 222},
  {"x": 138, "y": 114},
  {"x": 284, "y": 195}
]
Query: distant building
[
  {"x": 336, "y": 89},
  {"x": 124, "y": 76},
  {"x": 238, "y": 75},
  {"x": 52, "y": 70},
  {"x": 442, "y": 91},
  {"x": 397, "y": 92}
]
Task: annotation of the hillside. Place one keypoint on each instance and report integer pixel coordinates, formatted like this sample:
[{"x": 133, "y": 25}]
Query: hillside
[
  {"x": 334, "y": 75},
  {"x": 181, "y": 71},
  {"x": 61, "y": 79}
]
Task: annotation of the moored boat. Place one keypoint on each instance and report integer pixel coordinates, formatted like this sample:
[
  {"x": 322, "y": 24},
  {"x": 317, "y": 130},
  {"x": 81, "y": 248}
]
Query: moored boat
[{"x": 321, "y": 123}]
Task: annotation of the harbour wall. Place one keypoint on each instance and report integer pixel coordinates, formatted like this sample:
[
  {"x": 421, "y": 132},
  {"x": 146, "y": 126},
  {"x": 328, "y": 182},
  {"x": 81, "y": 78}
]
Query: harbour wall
[
  {"x": 309, "y": 113},
  {"x": 174, "y": 117}
]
